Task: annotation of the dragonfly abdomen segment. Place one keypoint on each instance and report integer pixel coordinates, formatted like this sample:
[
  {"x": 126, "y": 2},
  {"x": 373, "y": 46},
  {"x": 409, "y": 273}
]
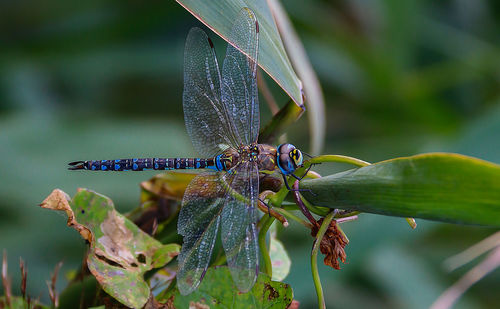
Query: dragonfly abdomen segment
[{"x": 144, "y": 164}]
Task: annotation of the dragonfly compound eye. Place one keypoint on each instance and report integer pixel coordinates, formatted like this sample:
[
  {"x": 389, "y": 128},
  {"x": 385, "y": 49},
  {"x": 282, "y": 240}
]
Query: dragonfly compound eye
[{"x": 296, "y": 156}]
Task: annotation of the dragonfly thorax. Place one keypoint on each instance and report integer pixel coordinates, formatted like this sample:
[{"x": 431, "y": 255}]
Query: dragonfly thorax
[
  {"x": 266, "y": 158},
  {"x": 263, "y": 155}
]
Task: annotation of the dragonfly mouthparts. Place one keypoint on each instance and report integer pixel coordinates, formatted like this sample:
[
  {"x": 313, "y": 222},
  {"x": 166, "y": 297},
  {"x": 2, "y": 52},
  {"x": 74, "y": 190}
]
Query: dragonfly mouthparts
[{"x": 77, "y": 165}]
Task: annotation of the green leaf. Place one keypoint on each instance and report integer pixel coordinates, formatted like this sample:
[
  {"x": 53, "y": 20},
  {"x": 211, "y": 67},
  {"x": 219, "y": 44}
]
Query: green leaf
[
  {"x": 219, "y": 16},
  {"x": 120, "y": 253},
  {"x": 437, "y": 186},
  {"x": 217, "y": 290}
]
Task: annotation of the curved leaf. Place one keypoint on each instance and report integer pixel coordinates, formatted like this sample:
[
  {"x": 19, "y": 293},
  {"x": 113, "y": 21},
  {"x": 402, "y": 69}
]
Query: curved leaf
[
  {"x": 120, "y": 253},
  {"x": 219, "y": 16},
  {"x": 438, "y": 186}
]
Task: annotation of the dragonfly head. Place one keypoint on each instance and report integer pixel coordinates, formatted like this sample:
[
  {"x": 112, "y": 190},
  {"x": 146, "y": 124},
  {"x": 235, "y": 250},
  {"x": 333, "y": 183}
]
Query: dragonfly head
[{"x": 289, "y": 158}]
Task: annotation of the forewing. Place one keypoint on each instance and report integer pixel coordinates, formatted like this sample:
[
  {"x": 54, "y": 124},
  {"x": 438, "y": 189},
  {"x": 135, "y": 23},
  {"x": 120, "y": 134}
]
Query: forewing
[
  {"x": 207, "y": 120},
  {"x": 198, "y": 223},
  {"x": 239, "y": 225},
  {"x": 239, "y": 77}
]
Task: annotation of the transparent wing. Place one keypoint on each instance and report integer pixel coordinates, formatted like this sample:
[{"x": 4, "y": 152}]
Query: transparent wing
[
  {"x": 198, "y": 224},
  {"x": 239, "y": 225},
  {"x": 239, "y": 77},
  {"x": 207, "y": 120}
]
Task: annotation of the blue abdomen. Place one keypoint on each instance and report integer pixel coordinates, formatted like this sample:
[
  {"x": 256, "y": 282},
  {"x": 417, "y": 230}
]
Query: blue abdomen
[{"x": 142, "y": 164}]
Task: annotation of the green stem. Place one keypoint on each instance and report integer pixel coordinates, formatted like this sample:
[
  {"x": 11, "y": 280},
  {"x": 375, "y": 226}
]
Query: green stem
[
  {"x": 289, "y": 206},
  {"x": 320, "y": 211},
  {"x": 266, "y": 222},
  {"x": 277, "y": 199},
  {"x": 314, "y": 258},
  {"x": 292, "y": 216},
  {"x": 347, "y": 214},
  {"x": 338, "y": 159}
]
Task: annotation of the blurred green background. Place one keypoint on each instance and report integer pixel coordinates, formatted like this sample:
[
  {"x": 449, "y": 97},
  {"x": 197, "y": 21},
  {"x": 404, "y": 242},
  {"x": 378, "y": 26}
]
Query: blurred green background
[{"x": 103, "y": 80}]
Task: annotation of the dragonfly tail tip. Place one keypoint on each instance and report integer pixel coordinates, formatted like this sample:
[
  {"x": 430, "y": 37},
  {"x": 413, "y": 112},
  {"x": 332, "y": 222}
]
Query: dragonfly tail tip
[{"x": 77, "y": 165}]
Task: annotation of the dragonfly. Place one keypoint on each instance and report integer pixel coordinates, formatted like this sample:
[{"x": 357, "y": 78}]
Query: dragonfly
[{"x": 221, "y": 112}]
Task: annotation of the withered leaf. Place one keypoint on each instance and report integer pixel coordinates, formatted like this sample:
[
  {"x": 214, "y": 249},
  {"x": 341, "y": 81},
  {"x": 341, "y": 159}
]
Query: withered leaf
[
  {"x": 332, "y": 245},
  {"x": 120, "y": 253}
]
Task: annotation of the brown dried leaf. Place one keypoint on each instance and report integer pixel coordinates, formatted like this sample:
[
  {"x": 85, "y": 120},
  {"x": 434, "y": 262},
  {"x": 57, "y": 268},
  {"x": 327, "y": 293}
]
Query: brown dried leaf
[
  {"x": 59, "y": 200},
  {"x": 332, "y": 245}
]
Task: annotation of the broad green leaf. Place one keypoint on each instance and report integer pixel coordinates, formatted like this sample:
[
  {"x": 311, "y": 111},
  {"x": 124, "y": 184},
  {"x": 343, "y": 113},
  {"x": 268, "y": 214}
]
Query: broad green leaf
[
  {"x": 437, "y": 186},
  {"x": 120, "y": 253},
  {"x": 219, "y": 16},
  {"x": 217, "y": 290}
]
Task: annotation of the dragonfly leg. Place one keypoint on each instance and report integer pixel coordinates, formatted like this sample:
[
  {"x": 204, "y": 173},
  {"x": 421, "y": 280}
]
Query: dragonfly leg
[
  {"x": 272, "y": 213},
  {"x": 305, "y": 174},
  {"x": 268, "y": 207},
  {"x": 294, "y": 190},
  {"x": 307, "y": 171},
  {"x": 286, "y": 182},
  {"x": 299, "y": 179}
]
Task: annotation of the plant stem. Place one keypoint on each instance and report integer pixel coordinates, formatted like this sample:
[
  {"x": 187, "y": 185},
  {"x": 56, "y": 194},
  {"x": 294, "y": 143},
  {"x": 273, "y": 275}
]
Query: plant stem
[
  {"x": 314, "y": 258},
  {"x": 302, "y": 207},
  {"x": 320, "y": 211},
  {"x": 277, "y": 199},
  {"x": 266, "y": 209},
  {"x": 266, "y": 222},
  {"x": 339, "y": 159},
  {"x": 292, "y": 216}
]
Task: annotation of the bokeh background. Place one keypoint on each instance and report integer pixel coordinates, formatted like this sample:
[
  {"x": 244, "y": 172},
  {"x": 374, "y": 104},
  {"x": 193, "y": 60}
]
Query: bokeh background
[{"x": 103, "y": 79}]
